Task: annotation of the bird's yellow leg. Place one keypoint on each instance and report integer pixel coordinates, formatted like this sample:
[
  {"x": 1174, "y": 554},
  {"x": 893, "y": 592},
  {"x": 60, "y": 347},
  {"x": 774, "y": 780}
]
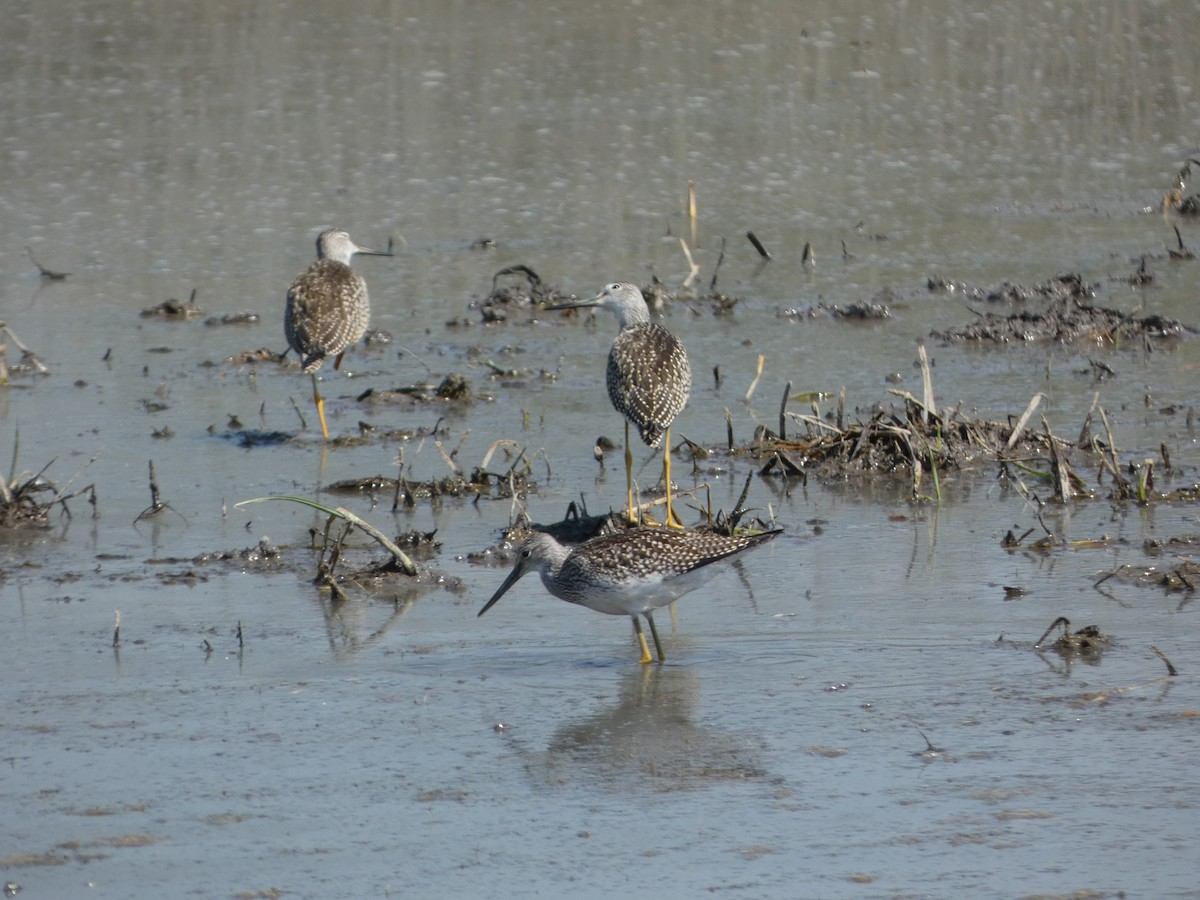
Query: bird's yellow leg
[
  {"x": 673, "y": 520},
  {"x": 654, "y": 633},
  {"x": 320, "y": 401},
  {"x": 629, "y": 487},
  {"x": 646, "y": 657}
]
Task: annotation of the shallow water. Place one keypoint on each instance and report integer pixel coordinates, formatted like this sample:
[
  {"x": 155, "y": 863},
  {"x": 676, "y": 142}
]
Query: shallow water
[{"x": 398, "y": 744}]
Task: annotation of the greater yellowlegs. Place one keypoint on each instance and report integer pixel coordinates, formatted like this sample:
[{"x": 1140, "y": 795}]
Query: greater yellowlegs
[
  {"x": 327, "y": 307},
  {"x": 628, "y": 573},
  {"x": 649, "y": 378}
]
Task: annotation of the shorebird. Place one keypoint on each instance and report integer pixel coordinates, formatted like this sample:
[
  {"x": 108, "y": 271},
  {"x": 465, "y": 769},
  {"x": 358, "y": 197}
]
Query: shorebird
[
  {"x": 648, "y": 377},
  {"x": 327, "y": 307},
  {"x": 628, "y": 573}
]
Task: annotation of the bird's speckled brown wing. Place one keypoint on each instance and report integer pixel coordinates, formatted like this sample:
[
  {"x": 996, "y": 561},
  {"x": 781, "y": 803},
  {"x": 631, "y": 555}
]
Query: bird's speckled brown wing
[{"x": 654, "y": 552}]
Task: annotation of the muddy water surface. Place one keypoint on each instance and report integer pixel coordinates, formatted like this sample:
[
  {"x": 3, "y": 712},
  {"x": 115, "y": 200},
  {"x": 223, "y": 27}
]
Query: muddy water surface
[{"x": 856, "y": 710}]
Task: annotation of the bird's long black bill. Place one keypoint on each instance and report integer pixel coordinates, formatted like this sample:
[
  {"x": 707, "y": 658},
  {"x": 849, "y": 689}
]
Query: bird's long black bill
[
  {"x": 575, "y": 304},
  {"x": 513, "y": 577}
]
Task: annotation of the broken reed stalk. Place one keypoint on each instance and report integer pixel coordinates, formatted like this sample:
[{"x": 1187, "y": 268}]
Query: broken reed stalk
[
  {"x": 117, "y": 630},
  {"x": 692, "y": 208},
  {"x": 729, "y": 429},
  {"x": 1113, "y": 462},
  {"x": 787, "y": 392},
  {"x": 448, "y": 459},
  {"x": 712, "y": 285},
  {"x": 1021, "y": 422},
  {"x": 402, "y": 560},
  {"x": 757, "y": 375},
  {"x": 694, "y": 269},
  {"x": 1060, "y": 470},
  {"x": 762, "y": 251},
  {"x": 926, "y": 384}
]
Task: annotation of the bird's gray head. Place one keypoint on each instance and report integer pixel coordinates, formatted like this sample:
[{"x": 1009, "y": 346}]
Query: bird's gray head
[
  {"x": 622, "y": 299},
  {"x": 335, "y": 244},
  {"x": 538, "y": 553}
]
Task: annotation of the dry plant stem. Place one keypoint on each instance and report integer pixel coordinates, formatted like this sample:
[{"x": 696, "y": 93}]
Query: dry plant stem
[
  {"x": 447, "y": 459},
  {"x": 406, "y": 564},
  {"x": 1059, "y": 469},
  {"x": 757, "y": 375},
  {"x": 503, "y": 442},
  {"x": 1114, "y": 464},
  {"x": 695, "y": 269},
  {"x": 116, "y": 641},
  {"x": 729, "y": 428},
  {"x": 692, "y": 208},
  {"x": 1021, "y": 422},
  {"x": 240, "y": 639},
  {"x": 926, "y": 384}
]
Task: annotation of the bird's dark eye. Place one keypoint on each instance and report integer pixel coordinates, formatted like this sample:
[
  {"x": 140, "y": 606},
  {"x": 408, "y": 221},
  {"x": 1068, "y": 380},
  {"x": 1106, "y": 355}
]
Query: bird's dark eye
[{"x": 525, "y": 554}]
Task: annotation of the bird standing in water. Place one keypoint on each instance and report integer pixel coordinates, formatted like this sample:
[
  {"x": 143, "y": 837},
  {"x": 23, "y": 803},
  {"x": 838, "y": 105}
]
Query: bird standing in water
[
  {"x": 631, "y": 572},
  {"x": 327, "y": 308},
  {"x": 649, "y": 378}
]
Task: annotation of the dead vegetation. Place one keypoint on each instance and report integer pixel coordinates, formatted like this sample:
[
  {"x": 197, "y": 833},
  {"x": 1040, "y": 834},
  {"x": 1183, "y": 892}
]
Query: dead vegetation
[
  {"x": 911, "y": 439},
  {"x": 1177, "y": 200},
  {"x": 27, "y": 498},
  {"x": 1059, "y": 310}
]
